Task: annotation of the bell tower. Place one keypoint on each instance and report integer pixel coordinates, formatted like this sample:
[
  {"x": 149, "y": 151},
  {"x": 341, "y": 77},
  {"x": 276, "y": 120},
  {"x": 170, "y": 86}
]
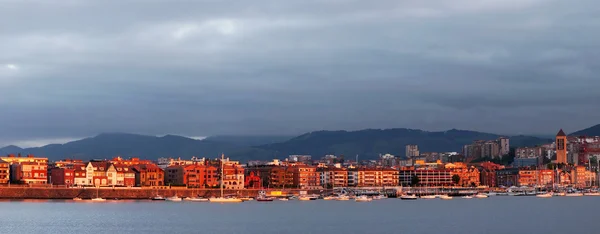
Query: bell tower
[{"x": 561, "y": 147}]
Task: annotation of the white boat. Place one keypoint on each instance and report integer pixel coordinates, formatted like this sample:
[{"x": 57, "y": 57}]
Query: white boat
[
  {"x": 98, "y": 198},
  {"x": 561, "y": 194},
  {"x": 158, "y": 198},
  {"x": 592, "y": 194},
  {"x": 343, "y": 198},
  {"x": 247, "y": 198},
  {"x": 408, "y": 197},
  {"x": 329, "y": 198},
  {"x": 481, "y": 195},
  {"x": 574, "y": 194},
  {"x": 445, "y": 197},
  {"x": 467, "y": 197},
  {"x": 284, "y": 199},
  {"x": 174, "y": 199},
  {"x": 304, "y": 198},
  {"x": 428, "y": 197},
  {"x": 223, "y": 199},
  {"x": 363, "y": 199},
  {"x": 544, "y": 195},
  {"x": 379, "y": 197},
  {"x": 492, "y": 194},
  {"x": 77, "y": 199},
  {"x": 196, "y": 199}
]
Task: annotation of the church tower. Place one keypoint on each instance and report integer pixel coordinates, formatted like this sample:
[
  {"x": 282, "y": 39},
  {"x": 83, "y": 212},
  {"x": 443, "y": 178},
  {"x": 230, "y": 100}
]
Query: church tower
[{"x": 561, "y": 147}]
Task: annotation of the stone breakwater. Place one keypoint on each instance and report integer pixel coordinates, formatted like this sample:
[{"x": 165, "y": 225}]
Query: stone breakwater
[{"x": 124, "y": 193}]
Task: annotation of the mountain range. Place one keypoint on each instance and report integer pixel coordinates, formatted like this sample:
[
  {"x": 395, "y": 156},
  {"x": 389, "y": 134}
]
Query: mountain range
[{"x": 368, "y": 144}]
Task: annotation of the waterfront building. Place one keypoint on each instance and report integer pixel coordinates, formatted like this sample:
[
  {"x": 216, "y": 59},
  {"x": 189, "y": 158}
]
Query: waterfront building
[
  {"x": 469, "y": 176},
  {"x": 412, "y": 151},
  {"x": 4, "y": 172},
  {"x": 372, "y": 177},
  {"x": 62, "y": 176},
  {"x": 333, "y": 177},
  {"x": 147, "y": 175},
  {"x": 352, "y": 177},
  {"x": 80, "y": 178},
  {"x": 561, "y": 147},
  {"x": 305, "y": 177},
  {"x": 507, "y": 177},
  {"x": 101, "y": 173},
  {"x": 426, "y": 177},
  {"x": 233, "y": 174},
  {"x": 27, "y": 170},
  {"x": 528, "y": 177},
  {"x": 488, "y": 173},
  {"x": 546, "y": 177},
  {"x": 579, "y": 177},
  {"x": 125, "y": 175},
  {"x": 252, "y": 180}
]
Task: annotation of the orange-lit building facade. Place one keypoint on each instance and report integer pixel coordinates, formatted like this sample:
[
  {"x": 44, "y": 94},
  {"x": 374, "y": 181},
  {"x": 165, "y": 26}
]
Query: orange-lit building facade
[
  {"x": 148, "y": 175},
  {"x": 4, "y": 172},
  {"x": 469, "y": 176},
  {"x": 305, "y": 177},
  {"x": 528, "y": 178},
  {"x": 333, "y": 177},
  {"x": 62, "y": 176},
  {"x": 546, "y": 177},
  {"x": 372, "y": 177}
]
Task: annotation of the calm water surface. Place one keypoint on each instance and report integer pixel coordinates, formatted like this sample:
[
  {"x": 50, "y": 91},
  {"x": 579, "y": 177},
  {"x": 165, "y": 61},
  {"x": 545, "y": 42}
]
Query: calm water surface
[{"x": 496, "y": 215}]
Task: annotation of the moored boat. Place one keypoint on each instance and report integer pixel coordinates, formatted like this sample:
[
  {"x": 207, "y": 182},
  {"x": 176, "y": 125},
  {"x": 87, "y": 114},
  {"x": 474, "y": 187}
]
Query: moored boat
[
  {"x": 174, "y": 199},
  {"x": 304, "y": 198},
  {"x": 284, "y": 199},
  {"x": 379, "y": 197},
  {"x": 77, "y": 199},
  {"x": 363, "y": 199},
  {"x": 592, "y": 194},
  {"x": 467, "y": 197},
  {"x": 445, "y": 197},
  {"x": 246, "y": 198},
  {"x": 343, "y": 198},
  {"x": 576, "y": 194},
  {"x": 428, "y": 197},
  {"x": 481, "y": 195},
  {"x": 158, "y": 198},
  {"x": 544, "y": 195},
  {"x": 264, "y": 199},
  {"x": 196, "y": 199},
  {"x": 98, "y": 199},
  {"x": 408, "y": 197}
]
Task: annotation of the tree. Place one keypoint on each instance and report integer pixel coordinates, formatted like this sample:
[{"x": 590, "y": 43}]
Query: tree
[
  {"x": 414, "y": 181},
  {"x": 456, "y": 179}
]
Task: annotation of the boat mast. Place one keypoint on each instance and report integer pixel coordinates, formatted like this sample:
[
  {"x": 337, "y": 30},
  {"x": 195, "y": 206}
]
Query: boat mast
[{"x": 222, "y": 173}]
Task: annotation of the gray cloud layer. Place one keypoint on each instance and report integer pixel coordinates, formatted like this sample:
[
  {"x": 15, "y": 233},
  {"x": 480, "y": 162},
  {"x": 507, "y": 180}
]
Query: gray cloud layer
[{"x": 74, "y": 68}]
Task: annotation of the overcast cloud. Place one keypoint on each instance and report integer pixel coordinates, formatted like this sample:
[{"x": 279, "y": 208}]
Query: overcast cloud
[{"x": 76, "y": 68}]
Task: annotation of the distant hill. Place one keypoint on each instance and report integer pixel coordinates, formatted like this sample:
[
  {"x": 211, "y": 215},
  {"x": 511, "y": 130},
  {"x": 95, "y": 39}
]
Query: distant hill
[
  {"x": 11, "y": 149},
  {"x": 368, "y": 144},
  {"x": 591, "y": 131},
  {"x": 108, "y": 145}
]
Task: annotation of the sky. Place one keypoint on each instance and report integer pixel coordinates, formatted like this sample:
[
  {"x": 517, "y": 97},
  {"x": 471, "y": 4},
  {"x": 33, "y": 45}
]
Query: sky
[{"x": 76, "y": 68}]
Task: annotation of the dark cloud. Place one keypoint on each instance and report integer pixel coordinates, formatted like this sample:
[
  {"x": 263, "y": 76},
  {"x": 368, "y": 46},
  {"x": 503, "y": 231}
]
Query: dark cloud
[{"x": 76, "y": 68}]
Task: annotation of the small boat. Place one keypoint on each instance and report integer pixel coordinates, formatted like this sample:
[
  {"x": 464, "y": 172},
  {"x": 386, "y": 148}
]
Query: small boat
[
  {"x": 313, "y": 197},
  {"x": 246, "y": 198},
  {"x": 343, "y": 198},
  {"x": 481, "y": 195},
  {"x": 561, "y": 194},
  {"x": 225, "y": 200},
  {"x": 592, "y": 194},
  {"x": 284, "y": 199},
  {"x": 264, "y": 199},
  {"x": 467, "y": 197},
  {"x": 544, "y": 195},
  {"x": 408, "y": 197},
  {"x": 98, "y": 199},
  {"x": 363, "y": 199},
  {"x": 327, "y": 198},
  {"x": 304, "y": 198},
  {"x": 428, "y": 197},
  {"x": 574, "y": 194},
  {"x": 158, "y": 198},
  {"x": 77, "y": 199},
  {"x": 445, "y": 197},
  {"x": 174, "y": 199},
  {"x": 501, "y": 194},
  {"x": 379, "y": 197},
  {"x": 196, "y": 199}
]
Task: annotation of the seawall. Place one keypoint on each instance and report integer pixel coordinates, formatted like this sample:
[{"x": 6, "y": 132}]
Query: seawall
[{"x": 126, "y": 193}]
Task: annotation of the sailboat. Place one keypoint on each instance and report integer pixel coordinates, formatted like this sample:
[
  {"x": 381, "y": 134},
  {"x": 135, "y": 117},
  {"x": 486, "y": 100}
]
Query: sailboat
[
  {"x": 98, "y": 198},
  {"x": 223, "y": 199}
]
